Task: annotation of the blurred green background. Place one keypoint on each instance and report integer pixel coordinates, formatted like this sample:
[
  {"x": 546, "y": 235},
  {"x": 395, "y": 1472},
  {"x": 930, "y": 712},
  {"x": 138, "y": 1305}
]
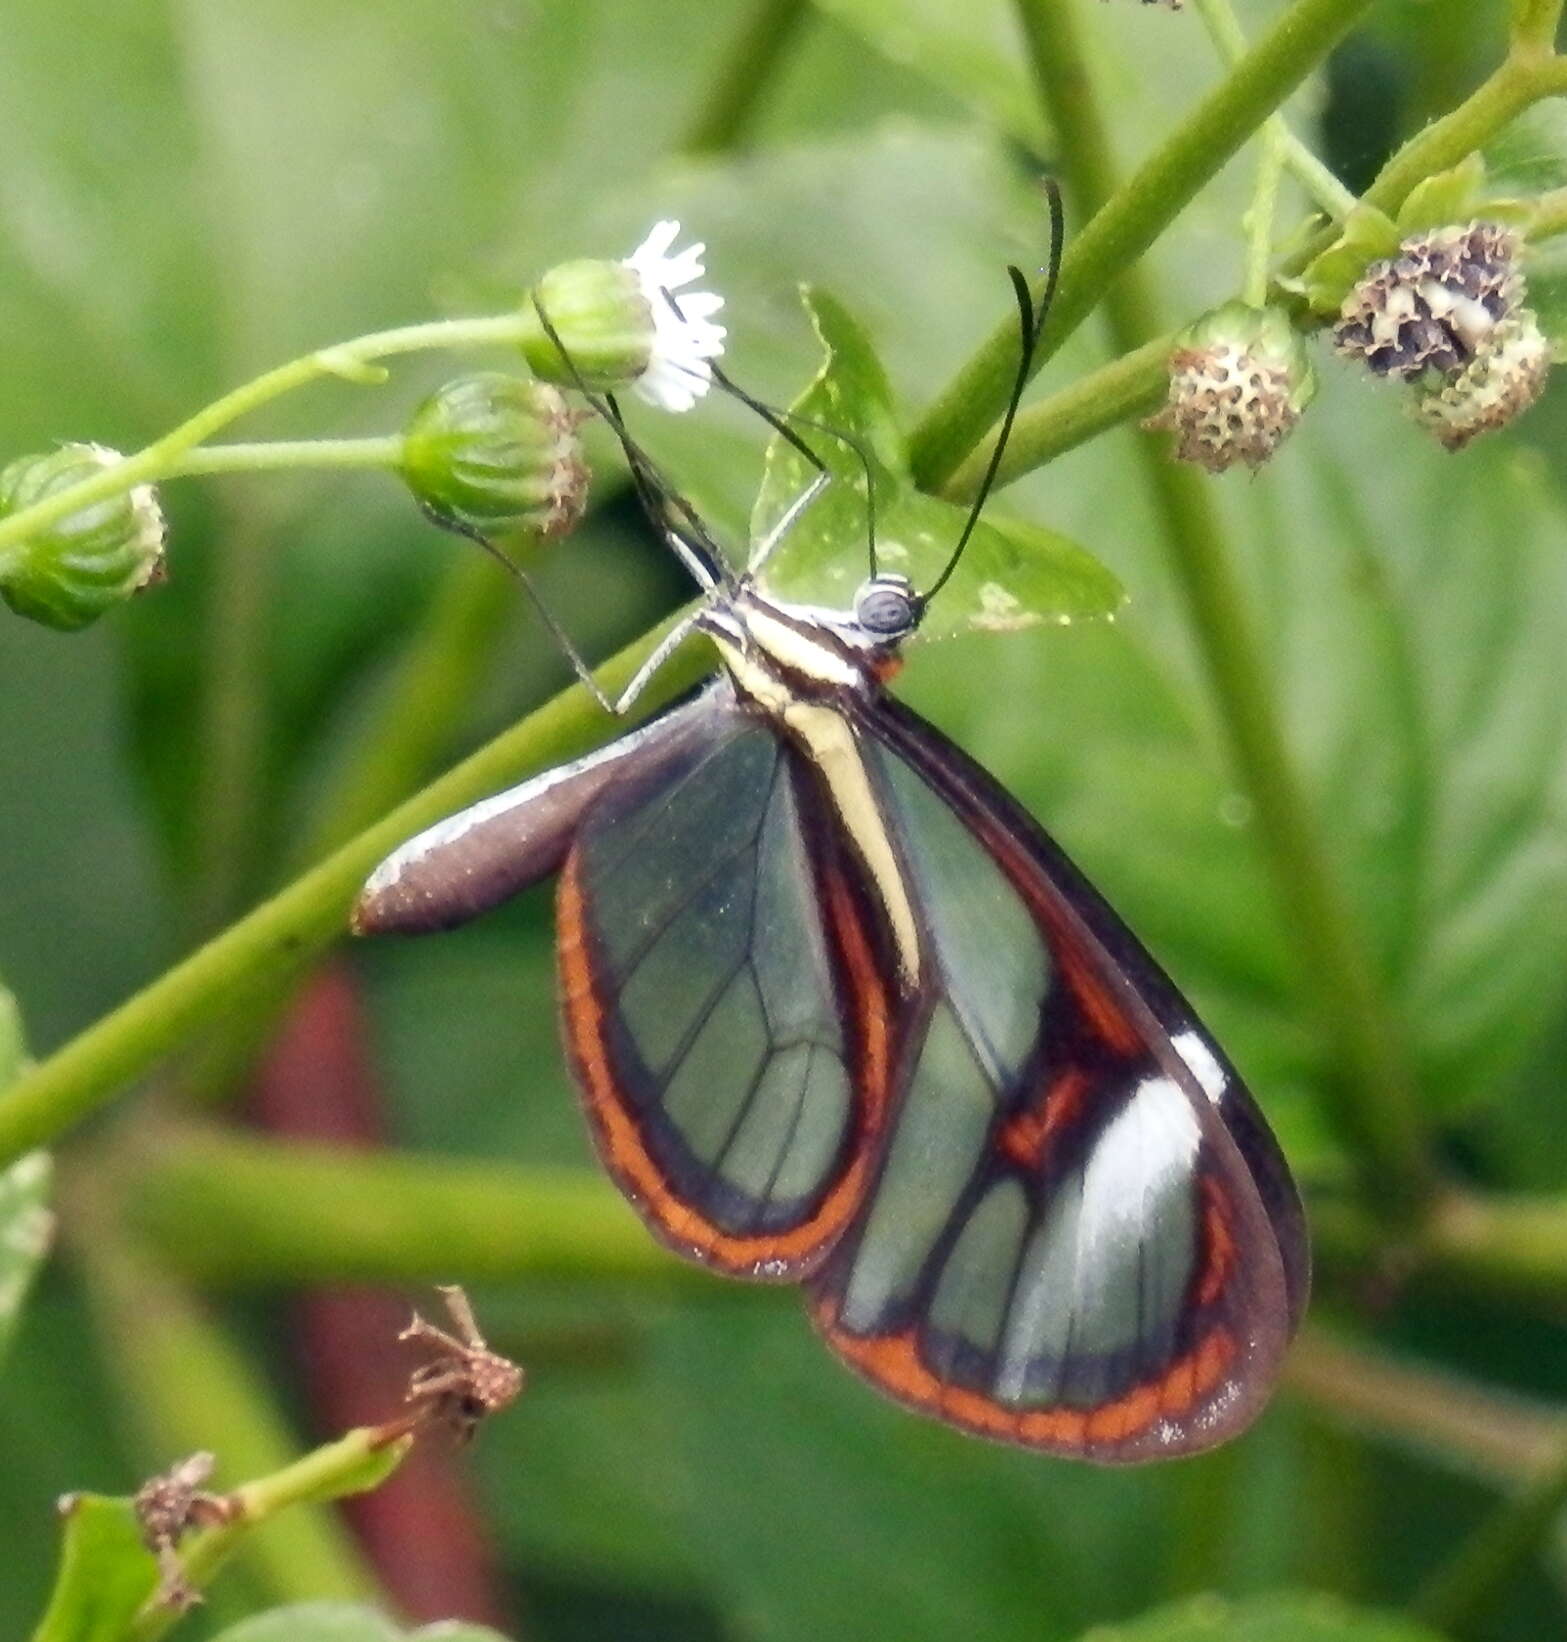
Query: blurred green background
[{"x": 192, "y": 191}]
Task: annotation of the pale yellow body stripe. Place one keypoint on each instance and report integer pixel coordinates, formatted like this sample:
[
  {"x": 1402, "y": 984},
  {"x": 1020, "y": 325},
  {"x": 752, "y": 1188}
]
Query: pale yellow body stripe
[{"x": 830, "y": 740}]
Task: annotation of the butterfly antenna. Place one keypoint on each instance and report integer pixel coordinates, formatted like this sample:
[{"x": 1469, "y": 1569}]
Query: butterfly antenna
[
  {"x": 1031, "y": 323},
  {"x": 778, "y": 420},
  {"x": 562, "y": 638},
  {"x": 664, "y": 506}
]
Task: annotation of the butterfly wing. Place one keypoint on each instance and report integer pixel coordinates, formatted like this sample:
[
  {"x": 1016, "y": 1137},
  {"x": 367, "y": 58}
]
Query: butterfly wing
[
  {"x": 472, "y": 861},
  {"x": 722, "y": 1010},
  {"x": 1081, "y": 1236}
]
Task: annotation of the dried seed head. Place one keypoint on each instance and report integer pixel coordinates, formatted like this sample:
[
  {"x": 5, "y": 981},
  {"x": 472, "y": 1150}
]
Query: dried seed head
[
  {"x": 1433, "y": 306},
  {"x": 167, "y": 1507},
  {"x": 466, "y": 1382},
  {"x": 1495, "y": 388},
  {"x": 497, "y": 455},
  {"x": 1239, "y": 380}
]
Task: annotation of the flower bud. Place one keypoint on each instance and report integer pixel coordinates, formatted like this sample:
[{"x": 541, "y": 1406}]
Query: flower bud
[
  {"x": 1495, "y": 388},
  {"x": 1240, "y": 378},
  {"x": 622, "y": 323},
  {"x": 496, "y": 455},
  {"x": 67, "y": 574},
  {"x": 603, "y": 320},
  {"x": 1433, "y": 306}
]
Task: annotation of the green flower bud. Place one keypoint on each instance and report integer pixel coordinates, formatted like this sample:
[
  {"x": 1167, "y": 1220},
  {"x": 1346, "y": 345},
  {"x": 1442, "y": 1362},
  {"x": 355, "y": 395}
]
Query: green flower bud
[
  {"x": 604, "y": 322},
  {"x": 1495, "y": 388},
  {"x": 68, "y": 573},
  {"x": 497, "y": 455},
  {"x": 1240, "y": 377},
  {"x": 632, "y": 322}
]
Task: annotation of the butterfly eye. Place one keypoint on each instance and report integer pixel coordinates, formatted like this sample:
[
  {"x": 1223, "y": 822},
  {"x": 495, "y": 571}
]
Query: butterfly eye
[{"x": 887, "y": 607}]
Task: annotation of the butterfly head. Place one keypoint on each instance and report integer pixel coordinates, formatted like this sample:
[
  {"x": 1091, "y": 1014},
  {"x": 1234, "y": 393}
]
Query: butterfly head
[{"x": 887, "y": 608}]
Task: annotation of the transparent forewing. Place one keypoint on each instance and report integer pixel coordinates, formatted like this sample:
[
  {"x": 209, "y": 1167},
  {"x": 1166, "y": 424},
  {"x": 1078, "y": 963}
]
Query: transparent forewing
[
  {"x": 474, "y": 860},
  {"x": 1065, "y": 1244},
  {"x": 726, "y": 1024}
]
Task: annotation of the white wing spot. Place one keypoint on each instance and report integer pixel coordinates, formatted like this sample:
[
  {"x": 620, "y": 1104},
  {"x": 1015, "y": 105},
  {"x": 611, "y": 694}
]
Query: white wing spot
[{"x": 1192, "y": 1049}]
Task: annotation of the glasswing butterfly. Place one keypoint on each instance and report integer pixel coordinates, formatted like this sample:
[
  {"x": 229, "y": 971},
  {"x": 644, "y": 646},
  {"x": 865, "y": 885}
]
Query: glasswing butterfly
[{"x": 843, "y": 1014}]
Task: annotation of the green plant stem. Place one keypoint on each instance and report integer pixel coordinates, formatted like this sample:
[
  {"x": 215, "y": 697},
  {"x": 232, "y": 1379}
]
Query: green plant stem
[
  {"x": 1513, "y": 1247},
  {"x": 264, "y": 949},
  {"x": 1371, "y": 1096},
  {"x": 209, "y": 1201},
  {"x": 1534, "y": 25},
  {"x": 1058, "y": 55},
  {"x": 351, "y": 361},
  {"x": 188, "y": 1387},
  {"x": 422, "y": 702},
  {"x": 1316, "y": 178},
  {"x": 1522, "y": 80},
  {"x": 1258, "y": 220},
  {"x": 1460, "y": 1594},
  {"x": 749, "y": 70},
  {"x": 212, "y": 1203},
  {"x": 270, "y": 455},
  {"x": 360, "y": 1460},
  {"x": 1376, "y": 1107},
  {"x": 1499, "y": 1434},
  {"x": 1132, "y": 385},
  {"x": 1130, "y": 222}
]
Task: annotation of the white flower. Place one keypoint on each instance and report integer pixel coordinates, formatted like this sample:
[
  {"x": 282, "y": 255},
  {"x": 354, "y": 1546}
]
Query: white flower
[{"x": 685, "y": 339}]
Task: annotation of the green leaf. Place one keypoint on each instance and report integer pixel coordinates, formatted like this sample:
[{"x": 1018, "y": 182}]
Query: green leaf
[
  {"x": 973, "y": 51},
  {"x": 1012, "y": 574},
  {"x": 345, "y": 1622},
  {"x": 1369, "y": 235},
  {"x": 1447, "y": 197},
  {"x": 105, "y": 1573},
  {"x": 1282, "y": 1618},
  {"x": 1529, "y": 155}
]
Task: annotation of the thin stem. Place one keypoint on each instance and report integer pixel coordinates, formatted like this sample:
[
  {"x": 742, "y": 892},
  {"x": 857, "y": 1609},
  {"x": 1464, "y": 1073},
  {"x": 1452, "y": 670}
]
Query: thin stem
[
  {"x": 378, "y": 1216},
  {"x": 1319, "y": 182},
  {"x": 1376, "y": 1107},
  {"x": 188, "y": 1387},
  {"x": 1133, "y": 385},
  {"x": 1534, "y": 25},
  {"x": 271, "y": 455},
  {"x": 1258, "y": 220},
  {"x": 750, "y": 69},
  {"x": 1501, "y": 1435},
  {"x": 1371, "y": 1096},
  {"x": 352, "y": 361},
  {"x": 1460, "y": 1594},
  {"x": 357, "y": 1462},
  {"x": 265, "y": 948},
  {"x": 1143, "y": 207}
]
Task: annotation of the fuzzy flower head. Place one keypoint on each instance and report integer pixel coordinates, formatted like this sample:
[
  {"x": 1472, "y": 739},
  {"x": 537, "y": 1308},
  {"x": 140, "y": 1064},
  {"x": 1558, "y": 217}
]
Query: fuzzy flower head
[
  {"x": 685, "y": 338},
  {"x": 630, "y": 324},
  {"x": 1433, "y": 307},
  {"x": 1239, "y": 380},
  {"x": 1495, "y": 388}
]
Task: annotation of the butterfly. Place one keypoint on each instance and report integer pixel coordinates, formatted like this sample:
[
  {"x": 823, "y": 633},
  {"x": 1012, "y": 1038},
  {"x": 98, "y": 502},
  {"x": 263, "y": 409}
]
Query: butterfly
[{"x": 842, "y": 1014}]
